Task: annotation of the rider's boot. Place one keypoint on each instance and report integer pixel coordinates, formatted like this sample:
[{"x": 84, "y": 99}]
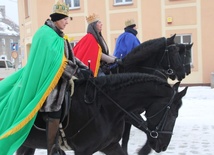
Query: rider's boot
[{"x": 52, "y": 132}]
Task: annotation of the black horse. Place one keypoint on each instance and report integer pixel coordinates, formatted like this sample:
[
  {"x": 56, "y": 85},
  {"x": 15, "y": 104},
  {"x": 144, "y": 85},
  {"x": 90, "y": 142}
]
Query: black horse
[
  {"x": 161, "y": 57},
  {"x": 98, "y": 106},
  {"x": 185, "y": 53}
]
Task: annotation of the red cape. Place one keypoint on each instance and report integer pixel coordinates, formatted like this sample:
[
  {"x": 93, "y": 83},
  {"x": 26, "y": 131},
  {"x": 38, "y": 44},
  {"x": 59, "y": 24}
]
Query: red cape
[{"x": 87, "y": 49}]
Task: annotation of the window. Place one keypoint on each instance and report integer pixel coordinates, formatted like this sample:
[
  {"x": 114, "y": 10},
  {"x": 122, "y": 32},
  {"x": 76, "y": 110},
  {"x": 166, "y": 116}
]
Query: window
[
  {"x": 26, "y": 7},
  {"x": 2, "y": 64},
  {"x": 3, "y": 41},
  {"x": 73, "y": 4},
  {"x": 122, "y": 2},
  {"x": 11, "y": 41},
  {"x": 184, "y": 39},
  {"x": 9, "y": 64}
]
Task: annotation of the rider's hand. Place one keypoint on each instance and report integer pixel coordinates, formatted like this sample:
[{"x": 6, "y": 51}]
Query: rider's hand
[
  {"x": 83, "y": 73},
  {"x": 119, "y": 61}
]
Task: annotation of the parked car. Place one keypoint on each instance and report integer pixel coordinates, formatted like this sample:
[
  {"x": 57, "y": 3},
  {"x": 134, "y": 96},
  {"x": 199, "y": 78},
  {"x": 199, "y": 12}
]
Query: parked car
[{"x": 6, "y": 68}]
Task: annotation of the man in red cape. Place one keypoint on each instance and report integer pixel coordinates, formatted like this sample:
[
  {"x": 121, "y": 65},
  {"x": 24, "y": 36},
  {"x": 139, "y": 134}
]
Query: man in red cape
[
  {"x": 89, "y": 52},
  {"x": 92, "y": 49}
]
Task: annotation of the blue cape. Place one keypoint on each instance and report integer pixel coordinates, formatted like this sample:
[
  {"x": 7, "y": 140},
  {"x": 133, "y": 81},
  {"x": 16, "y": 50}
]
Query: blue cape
[{"x": 125, "y": 43}]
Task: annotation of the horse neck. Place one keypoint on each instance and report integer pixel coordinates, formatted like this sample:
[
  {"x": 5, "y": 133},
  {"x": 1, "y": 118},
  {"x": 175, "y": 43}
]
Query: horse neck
[
  {"x": 141, "y": 96},
  {"x": 143, "y": 52},
  {"x": 153, "y": 65},
  {"x": 161, "y": 73}
]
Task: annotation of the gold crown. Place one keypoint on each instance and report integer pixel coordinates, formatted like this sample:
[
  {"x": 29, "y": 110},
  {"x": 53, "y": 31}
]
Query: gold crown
[
  {"x": 61, "y": 8},
  {"x": 129, "y": 22},
  {"x": 92, "y": 18}
]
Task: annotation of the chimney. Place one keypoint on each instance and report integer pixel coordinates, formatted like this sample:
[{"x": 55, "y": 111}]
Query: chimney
[{"x": 2, "y": 11}]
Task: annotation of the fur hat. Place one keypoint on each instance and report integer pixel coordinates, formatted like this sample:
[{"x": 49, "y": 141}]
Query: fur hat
[
  {"x": 56, "y": 16},
  {"x": 60, "y": 11},
  {"x": 130, "y": 23}
]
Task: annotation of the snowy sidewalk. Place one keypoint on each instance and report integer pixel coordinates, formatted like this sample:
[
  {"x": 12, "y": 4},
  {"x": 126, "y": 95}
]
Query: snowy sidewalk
[{"x": 194, "y": 128}]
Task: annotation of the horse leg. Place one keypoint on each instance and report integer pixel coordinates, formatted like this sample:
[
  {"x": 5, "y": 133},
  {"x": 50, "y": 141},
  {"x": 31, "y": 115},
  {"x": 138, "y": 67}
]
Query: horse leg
[
  {"x": 52, "y": 134},
  {"x": 114, "y": 149},
  {"x": 145, "y": 150},
  {"x": 25, "y": 151},
  {"x": 125, "y": 137}
]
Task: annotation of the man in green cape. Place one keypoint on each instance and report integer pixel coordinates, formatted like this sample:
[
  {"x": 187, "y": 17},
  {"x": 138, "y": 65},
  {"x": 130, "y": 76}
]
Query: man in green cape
[{"x": 40, "y": 85}]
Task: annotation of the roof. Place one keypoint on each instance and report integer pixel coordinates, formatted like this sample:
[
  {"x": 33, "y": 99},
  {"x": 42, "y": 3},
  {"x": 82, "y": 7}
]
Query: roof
[{"x": 6, "y": 29}]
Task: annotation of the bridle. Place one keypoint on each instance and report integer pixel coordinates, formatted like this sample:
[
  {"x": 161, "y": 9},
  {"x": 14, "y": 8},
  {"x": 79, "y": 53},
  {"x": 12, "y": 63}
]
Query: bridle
[
  {"x": 165, "y": 73},
  {"x": 185, "y": 55},
  {"x": 169, "y": 71},
  {"x": 159, "y": 129},
  {"x": 141, "y": 123}
]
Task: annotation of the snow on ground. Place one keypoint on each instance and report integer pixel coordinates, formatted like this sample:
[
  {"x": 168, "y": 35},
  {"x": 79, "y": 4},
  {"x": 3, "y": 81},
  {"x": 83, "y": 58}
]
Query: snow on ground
[{"x": 193, "y": 131}]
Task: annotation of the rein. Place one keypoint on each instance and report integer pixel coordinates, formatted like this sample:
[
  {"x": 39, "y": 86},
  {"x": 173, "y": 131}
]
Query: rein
[
  {"x": 169, "y": 71},
  {"x": 161, "y": 72},
  {"x": 158, "y": 129},
  {"x": 131, "y": 115}
]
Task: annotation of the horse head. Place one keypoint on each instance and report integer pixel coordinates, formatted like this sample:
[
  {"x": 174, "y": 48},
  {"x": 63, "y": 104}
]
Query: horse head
[
  {"x": 161, "y": 119},
  {"x": 155, "y": 57},
  {"x": 187, "y": 58},
  {"x": 171, "y": 63},
  {"x": 185, "y": 54}
]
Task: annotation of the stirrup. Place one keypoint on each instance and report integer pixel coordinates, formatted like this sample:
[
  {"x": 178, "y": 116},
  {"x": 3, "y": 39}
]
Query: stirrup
[{"x": 56, "y": 150}]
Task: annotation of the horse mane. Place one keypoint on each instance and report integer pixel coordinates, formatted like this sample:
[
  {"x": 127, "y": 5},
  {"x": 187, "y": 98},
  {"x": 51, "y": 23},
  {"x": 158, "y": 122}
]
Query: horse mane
[
  {"x": 118, "y": 81},
  {"x": 182, "y": 48},
  {"x": 144, "y": 51}
]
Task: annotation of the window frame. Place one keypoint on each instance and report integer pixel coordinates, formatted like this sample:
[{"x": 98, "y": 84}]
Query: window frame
[
  {"x": 27, "y": 8},
  {"x": 71, "y": 4},
  {"x": 122, "y": 3}
]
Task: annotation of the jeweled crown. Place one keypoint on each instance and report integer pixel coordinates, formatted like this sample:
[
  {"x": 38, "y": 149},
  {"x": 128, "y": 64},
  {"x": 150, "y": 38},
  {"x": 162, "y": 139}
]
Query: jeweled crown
[
  {"x": 61, "y": 8},
  {"x": 92, "y": 18},
  {"x": 129, "y": 22}
]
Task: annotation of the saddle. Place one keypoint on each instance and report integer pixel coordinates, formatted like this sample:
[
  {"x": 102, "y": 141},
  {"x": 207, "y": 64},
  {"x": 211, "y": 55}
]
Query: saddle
[{"x": 40, "y": 122}]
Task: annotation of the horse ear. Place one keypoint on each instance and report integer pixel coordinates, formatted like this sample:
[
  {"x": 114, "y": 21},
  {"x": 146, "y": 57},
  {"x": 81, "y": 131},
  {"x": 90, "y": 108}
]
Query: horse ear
[
  {"x": 189, "y": 46},
  {"x": 170, "y": 40},
  {"x": 173, "y": 37},
  {"x": 176, "y": 86},
  {"x": 183, "y": 92}
]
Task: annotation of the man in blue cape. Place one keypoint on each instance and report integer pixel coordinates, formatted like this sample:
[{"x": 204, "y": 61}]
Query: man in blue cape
[{"x": 127, "y": 40}]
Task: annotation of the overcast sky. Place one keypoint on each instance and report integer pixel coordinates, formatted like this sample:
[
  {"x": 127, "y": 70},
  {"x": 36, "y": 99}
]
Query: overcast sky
[{"x": 11, "y": 9}]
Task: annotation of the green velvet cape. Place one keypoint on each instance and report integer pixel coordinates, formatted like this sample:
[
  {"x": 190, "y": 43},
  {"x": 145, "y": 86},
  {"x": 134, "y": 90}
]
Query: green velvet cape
[{"x": 23, "y": 93}]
